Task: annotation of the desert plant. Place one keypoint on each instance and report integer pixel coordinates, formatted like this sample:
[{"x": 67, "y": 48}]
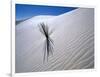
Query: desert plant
[{"x": 49, "y": 43}]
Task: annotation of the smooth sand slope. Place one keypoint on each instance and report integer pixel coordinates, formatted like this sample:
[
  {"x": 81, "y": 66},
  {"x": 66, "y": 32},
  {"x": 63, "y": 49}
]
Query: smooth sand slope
[{"x": 73, "y": 36}]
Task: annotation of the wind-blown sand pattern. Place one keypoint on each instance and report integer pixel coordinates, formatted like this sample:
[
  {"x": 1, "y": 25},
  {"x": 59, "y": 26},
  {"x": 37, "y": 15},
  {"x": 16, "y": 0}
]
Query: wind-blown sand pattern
[{"x": 73, "y": 36}]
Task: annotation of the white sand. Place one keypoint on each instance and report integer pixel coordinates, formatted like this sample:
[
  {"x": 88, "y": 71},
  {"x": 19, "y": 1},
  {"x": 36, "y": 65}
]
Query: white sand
[{"x": 73, "y": 35}]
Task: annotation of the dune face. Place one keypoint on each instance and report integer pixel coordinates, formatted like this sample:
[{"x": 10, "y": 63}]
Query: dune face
[{"x": 73, "y": 39}]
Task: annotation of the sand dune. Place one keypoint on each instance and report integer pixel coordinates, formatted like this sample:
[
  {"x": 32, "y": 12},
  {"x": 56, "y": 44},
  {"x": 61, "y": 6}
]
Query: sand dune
[{"x": 73, "y": 36}]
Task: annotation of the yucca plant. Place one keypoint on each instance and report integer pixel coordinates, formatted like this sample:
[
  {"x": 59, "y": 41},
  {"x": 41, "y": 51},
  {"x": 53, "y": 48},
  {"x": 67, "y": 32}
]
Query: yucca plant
[{"x": 49, "y": 43}]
